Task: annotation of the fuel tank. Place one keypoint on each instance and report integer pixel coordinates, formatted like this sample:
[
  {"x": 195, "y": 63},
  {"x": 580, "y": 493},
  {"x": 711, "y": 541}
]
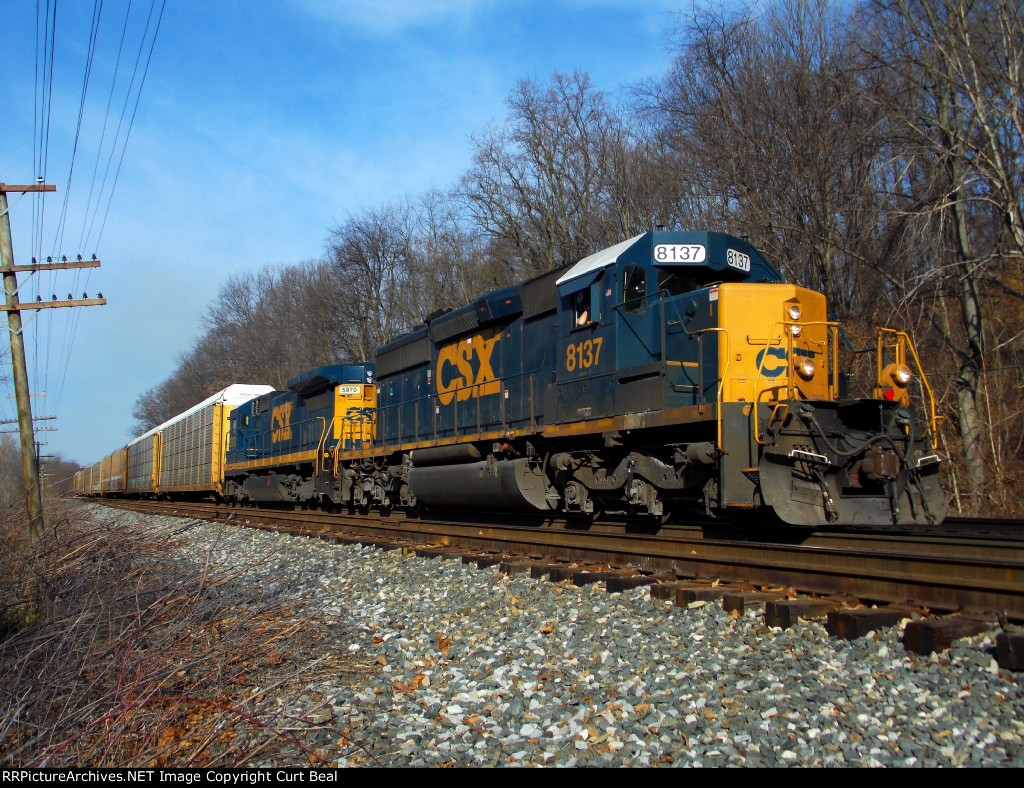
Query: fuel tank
[{"x": 506, "y": 484}]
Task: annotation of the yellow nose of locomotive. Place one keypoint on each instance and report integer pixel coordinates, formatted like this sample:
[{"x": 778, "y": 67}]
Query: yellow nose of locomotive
[{"x": 776, "y": 343}]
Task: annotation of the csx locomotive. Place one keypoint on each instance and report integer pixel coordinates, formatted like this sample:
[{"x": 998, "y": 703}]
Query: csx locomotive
[{"x": 673, "y": 373}]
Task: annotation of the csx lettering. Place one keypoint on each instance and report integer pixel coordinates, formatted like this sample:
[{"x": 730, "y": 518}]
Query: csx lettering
[
  {"x": 464, "y": 369},
  {"x": 281, "y": 423}
]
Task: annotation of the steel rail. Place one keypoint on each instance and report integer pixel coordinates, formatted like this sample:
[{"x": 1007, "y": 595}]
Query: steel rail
[{"x": 943, "y": 573}]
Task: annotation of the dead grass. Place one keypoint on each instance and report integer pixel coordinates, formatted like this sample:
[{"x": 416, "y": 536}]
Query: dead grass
[{"x": 128, "y": 657}]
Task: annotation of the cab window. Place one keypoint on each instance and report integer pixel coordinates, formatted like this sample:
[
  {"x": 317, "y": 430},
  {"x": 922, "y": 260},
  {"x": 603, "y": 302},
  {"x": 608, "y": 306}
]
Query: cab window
[
  {"x": 634, "y": 290},
  {"x": 581, "y": 308},
  {"x": 675, "y": 282},
  {"x": 586, "y": 305}
]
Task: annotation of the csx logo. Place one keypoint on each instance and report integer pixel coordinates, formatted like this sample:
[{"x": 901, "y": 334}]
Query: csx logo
[
  {"x": 464, "y": 369},
  {"x": 281, "y": 422},
  {"x": 772, "y": 360},
  {"x": 358, "y": 415}
]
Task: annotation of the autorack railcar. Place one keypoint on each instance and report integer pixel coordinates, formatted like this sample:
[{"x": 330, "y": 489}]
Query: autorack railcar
[{"x": 183, "y": 456}]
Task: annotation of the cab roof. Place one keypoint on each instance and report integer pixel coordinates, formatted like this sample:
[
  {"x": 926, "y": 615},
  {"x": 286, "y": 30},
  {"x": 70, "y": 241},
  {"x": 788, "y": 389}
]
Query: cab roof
[{"x": 713, "y": 251}]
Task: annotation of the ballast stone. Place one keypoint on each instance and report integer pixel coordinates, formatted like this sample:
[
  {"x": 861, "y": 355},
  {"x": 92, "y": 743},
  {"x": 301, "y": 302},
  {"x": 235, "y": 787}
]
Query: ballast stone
[{"x": 702, "y": 679}]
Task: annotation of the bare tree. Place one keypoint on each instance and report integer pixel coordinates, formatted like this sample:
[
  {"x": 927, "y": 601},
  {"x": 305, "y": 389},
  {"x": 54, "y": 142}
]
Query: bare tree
[
  {"x": 958, "y": 126},
  {"x": 540, "y": 182},
  {"x": 371, "y": 256},
  {"x": 264, "y": 327},
  {"x": 776, "y": 140},
  {"x": 644, "y": 191},
  {"x": 59, "y": 475},
  {"x": 174, "y": 395}
]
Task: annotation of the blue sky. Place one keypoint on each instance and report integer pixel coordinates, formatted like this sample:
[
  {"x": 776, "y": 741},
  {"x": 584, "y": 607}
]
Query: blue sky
[{"x": 261, "y": 125}]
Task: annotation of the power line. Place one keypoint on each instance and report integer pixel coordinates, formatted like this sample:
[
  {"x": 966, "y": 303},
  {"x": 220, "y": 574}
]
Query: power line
[
  {"x": 97, "y": 13},
  {"x": 101, "y": 190},
  {"x": 135, "y": 109},
  {"x": 75, "y": 318},
  {"x": 99, "y": 149},
  {"x": 90, "y": 54}
]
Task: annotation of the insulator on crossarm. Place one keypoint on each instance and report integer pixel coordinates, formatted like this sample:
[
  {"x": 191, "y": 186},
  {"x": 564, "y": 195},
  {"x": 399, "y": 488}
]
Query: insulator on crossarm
[
  {"x": 64, "y": 258},
  {"x": 99, "y": 295},
  {"x": 85, "y": 295},
  {"x": 79, "y": 258},
  {"x": 93, "y": 255},
  {"x": 70, "y": 296}
]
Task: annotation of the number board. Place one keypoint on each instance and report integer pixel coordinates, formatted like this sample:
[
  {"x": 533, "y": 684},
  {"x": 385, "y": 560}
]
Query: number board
[
  {"x": 680, "y": 253},
  {"x": 738, "y": 260}
]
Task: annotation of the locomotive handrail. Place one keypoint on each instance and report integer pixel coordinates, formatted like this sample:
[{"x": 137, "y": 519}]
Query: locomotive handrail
[
  {"x": 903, "y": 340},
  {"x": 339, "y": 446},
  {"x": 668, "y": 300},
  {"x": 719, "y": 394},
  {"x": 320, "y": 443},
  {"x": 257, "y": 441},
  {"x": 336, "y": 459},
  {"x": 778, "y": 406},
  {"x": 784, "y": 329},
  {"x": 526, "y": 377},
  {"x": 788, "y": 334}
]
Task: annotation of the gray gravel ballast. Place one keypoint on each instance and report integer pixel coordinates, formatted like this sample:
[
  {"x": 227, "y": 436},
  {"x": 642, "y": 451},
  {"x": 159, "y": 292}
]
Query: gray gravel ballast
[{"x": 475, "y": 668}]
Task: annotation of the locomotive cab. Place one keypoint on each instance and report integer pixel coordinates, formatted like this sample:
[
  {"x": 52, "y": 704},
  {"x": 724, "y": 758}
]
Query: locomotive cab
[{"x": 628, "y": 317}]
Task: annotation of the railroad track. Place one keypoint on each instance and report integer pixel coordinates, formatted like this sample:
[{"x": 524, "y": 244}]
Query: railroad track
[{"x": 981, "y": 575}]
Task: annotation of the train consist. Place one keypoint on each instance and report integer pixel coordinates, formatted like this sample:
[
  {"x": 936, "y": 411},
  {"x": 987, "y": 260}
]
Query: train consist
[{"x": 673, "y": 373}]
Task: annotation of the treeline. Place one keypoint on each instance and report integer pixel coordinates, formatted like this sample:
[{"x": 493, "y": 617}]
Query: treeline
[
  {"x": 873, "y": 151},
  {"x": 58, "y": 475}
]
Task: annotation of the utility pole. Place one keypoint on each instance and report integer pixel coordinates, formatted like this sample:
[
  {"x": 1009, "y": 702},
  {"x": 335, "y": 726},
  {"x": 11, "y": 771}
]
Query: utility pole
[{"x": 29, "y": 460}]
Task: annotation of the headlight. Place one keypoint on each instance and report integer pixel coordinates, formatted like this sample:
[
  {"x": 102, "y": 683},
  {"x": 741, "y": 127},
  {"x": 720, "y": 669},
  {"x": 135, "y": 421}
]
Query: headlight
[
  {"x": 892, "y": 383},
  {"x": 795, "y": 330},
  {"x": 794, "y": 312},
  {"x": 805, "y": 368}
]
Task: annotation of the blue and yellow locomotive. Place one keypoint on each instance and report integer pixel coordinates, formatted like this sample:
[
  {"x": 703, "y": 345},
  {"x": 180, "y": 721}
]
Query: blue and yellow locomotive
[
  {"x": 286, "y": 445},
  {"x": 673, "y": 373}
]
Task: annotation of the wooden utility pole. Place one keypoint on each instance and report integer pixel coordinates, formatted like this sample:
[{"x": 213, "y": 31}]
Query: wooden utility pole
[{"x": 14, "y": 308}]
